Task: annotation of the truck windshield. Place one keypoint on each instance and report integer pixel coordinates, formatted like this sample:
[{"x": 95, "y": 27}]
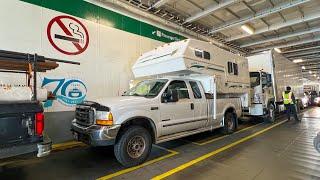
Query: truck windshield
[
  {"x": 147, "y": 88},
  {"x": 254, "y": 79}
]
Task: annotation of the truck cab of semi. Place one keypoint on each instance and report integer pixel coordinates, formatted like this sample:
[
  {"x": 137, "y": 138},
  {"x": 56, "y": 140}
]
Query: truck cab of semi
[{"x": 262, "y": 96}]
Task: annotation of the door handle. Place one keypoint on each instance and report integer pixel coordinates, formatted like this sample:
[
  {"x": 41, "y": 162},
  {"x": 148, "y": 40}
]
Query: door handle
[{"x": 192, "y": 106}]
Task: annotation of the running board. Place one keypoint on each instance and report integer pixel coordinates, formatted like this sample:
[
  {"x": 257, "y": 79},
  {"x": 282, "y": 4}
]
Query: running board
[{"x": 182, "y": 134}]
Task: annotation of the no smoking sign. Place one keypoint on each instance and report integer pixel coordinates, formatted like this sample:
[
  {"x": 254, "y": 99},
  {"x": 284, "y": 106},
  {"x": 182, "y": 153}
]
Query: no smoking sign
[{"x": 68, "y": 35}]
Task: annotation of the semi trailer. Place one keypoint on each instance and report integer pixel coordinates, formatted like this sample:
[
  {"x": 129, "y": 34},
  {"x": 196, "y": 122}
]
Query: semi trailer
[
  {"x": 185, "y": 87},
  {"x": 270, "y": 74}
]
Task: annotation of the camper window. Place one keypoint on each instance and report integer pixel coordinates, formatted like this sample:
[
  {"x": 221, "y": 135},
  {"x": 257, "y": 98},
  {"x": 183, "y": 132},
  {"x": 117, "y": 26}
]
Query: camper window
[
  {"x": 196, "y": 90},
  {"x": 206, "y": 55},
  {"x": 230, "y": 67},
  {"x": 198, "y": 53},
  {"x": 235, "y": 69}
]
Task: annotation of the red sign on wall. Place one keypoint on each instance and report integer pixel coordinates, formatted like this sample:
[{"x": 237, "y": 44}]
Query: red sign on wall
[{"x": 68, "y": 35}]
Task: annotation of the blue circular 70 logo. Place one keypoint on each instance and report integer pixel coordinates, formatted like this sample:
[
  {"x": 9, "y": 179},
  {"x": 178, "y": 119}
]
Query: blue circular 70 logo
[{"x": 68, "y": 91}]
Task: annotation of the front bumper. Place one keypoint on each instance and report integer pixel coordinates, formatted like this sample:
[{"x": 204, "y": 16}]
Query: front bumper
[{"x": 95, "y": 135}]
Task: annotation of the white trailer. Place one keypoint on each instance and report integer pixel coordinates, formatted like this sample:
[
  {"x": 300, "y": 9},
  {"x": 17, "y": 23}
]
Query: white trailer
[{"x": 270, "y": 74}]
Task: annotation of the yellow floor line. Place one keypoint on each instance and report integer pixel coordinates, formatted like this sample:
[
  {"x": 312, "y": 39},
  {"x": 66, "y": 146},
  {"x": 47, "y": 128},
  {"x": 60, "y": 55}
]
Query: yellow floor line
[
  {"x": 213, "y": 153},
  {"x": 67, "y": 145},
  {"x": 124, "y": 171},
  {"x": 218, "y": 138}
]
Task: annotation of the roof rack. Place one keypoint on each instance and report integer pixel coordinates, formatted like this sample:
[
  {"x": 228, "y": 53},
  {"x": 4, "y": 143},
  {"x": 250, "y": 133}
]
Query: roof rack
[{"x": 30, "y": 64}]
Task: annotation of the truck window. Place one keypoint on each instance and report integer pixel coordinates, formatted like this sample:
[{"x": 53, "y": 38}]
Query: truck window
[
  {"x": 198, "y": 53},
  {"x": 206, "y": 55},
  {"x": 254, "y": 79},
  {"x": 195, "y": 89},
  {"x": 181, "y": 87},
  {"x": 235, "y": 69},
  {"x": 230, "y": 67},
  {"x": 147, "y": 88}
]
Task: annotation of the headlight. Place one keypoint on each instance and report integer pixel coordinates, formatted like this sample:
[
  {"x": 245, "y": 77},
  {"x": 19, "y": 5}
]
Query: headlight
[
  {"x": 305, "y": 100},
  {"x": 256, "y": 98},
  {"x": 104, "y": 118}
]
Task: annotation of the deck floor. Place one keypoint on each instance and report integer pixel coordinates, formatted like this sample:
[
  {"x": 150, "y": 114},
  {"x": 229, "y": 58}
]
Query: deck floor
[{"x": 284, "y": 150}]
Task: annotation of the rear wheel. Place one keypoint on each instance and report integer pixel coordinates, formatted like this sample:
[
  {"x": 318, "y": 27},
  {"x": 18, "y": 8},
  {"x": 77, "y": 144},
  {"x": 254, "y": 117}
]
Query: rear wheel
[
  {"x": 230, "y": 120},
  {"x": 133, "y": 147}
]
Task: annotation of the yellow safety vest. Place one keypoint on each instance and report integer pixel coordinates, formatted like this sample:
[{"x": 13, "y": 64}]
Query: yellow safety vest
[{"x": 287, "y": 98}]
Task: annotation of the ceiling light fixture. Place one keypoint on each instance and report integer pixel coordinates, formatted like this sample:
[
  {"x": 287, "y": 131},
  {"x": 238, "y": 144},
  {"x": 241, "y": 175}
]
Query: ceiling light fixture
[
  {"x": 310, "y": 72},
  {"x": 278, "y": 50},
  {"x": 303, "y": 67},
  {"x": 298, "y": 61},
  {"x": 247, "y": 29}
]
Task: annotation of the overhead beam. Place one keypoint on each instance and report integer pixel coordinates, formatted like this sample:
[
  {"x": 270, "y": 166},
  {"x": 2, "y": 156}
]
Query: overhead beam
[
  {"x": 306, "y": 58},
  {"x": 295, "y": 43},
  {"x": 301, "y": 49},
  {"x": 160, "y": 3},
  {"x": 302, "y": 54},
  {"x": 286, "y": 36},
  {"x": 277, "y": 26},
  {"x": 211, "y": 9},
  {"x": 260, "y": 14}
]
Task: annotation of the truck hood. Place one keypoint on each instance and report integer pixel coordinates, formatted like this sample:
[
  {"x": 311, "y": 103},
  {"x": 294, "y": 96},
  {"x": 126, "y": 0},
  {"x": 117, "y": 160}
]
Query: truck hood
[{"x": 121, "y": 101}]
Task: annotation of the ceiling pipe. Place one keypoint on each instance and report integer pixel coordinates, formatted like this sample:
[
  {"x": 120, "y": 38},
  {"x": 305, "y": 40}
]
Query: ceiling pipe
[
  {"x": 276, "y": 26},
  {"x": 261, "y": 14},
  {"x": 295, "y": 43},
  {"x": 281, "y": 37}
]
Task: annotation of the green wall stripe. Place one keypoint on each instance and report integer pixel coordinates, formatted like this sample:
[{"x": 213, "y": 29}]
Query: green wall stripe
[{"x": 97, "y": 14}]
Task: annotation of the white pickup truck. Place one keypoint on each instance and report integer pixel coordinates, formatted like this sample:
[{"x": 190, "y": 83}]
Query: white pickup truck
[
  {"x": 154, "y": 111},
  {"x": 192, "y": 87}
]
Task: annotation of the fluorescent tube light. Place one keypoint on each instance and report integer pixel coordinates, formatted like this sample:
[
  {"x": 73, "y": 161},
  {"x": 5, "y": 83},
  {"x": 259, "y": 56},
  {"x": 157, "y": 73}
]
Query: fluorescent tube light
[
  {"x": 298, "y": 61},
  {"x": 248, "y": 29},
  {"x": 278, "y": 50}
]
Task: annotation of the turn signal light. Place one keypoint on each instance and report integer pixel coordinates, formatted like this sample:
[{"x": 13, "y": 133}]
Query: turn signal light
[{"x": 105, "y": 121}]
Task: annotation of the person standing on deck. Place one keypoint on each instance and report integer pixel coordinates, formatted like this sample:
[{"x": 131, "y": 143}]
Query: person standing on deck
[{"x": 289, "y": 103}]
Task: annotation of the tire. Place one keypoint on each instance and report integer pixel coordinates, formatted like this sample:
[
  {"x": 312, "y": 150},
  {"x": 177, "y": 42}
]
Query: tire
[
  {"x": 270, "y": 117},
  {"x": 230, "y": 123},
  {"x": 316, "y": 143},
  {"x": 133, "y": 146}
]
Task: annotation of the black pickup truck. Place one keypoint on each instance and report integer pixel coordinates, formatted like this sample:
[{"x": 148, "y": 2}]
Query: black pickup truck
[
  {"x": 21, "y": 129},
  {"x": 22, "y": 121}
]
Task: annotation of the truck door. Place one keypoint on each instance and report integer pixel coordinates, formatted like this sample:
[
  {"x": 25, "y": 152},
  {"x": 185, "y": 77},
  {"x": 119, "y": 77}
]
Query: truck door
[
  {"x": 177, "y": 116},
  {"x": 200, "y": 105}
]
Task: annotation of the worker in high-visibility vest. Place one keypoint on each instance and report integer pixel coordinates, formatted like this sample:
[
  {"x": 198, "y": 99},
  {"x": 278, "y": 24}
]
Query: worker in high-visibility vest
[{"x": 290, "y": 104}]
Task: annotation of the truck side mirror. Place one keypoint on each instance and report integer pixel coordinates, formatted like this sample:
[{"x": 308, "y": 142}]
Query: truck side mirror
[
  {"x": 170, "y": 96},
  {"x": 269, "y": 80}
]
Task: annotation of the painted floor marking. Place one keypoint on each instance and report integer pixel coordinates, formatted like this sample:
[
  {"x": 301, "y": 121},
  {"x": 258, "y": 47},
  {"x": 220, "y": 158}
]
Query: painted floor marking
[
  {"x": 213, "y": 153},
  {"x": 67, "y": 145},
  {"x": 124, "y": 171},
  {"x": 221, "y": 137}
]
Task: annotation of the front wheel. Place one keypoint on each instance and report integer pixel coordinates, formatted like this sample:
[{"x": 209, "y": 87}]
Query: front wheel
[
  {"x": 229, "y": 123},
  {"x": 271, "y": 114},
  {"x": 133, "y": 147}
]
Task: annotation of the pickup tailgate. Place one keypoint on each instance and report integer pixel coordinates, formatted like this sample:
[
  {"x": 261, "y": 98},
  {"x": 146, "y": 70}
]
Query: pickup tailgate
[{"x": 17, "y": 123}]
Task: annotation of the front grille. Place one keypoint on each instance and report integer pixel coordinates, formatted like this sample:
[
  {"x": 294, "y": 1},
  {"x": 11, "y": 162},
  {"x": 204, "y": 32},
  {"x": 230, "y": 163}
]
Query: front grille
[{"x": 84, "y": 115}]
